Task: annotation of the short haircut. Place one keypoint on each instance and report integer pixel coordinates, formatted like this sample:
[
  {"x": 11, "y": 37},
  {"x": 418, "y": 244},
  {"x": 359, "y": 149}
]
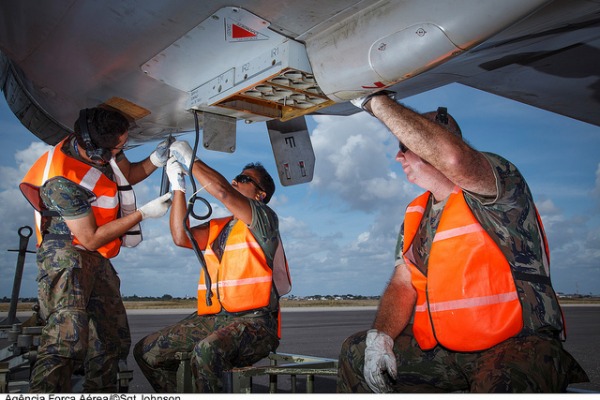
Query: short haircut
[
  {"x": 104, "y": 126},
  {"x": 266, "y": 181}
]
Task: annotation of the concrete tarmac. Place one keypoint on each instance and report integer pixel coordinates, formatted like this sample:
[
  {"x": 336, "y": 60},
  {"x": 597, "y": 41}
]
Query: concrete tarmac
[{"x": 321, "y": 331}]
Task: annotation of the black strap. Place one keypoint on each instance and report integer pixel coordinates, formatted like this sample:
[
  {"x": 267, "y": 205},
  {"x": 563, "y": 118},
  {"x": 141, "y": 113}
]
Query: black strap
[
  {"x": 125, "y": 187},
  {"x": 57, "y": 236},
  {"x": 533, "y": 278},
  {"x": 49, "y": 213}
]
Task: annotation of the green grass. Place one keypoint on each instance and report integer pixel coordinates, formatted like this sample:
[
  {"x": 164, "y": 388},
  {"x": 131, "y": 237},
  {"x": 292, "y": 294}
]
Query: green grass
[{"x": 285, "y": 303}]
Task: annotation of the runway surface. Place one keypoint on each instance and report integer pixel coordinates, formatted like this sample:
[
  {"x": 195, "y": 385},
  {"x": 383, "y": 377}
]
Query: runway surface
[{"x": 321, "y": 331}]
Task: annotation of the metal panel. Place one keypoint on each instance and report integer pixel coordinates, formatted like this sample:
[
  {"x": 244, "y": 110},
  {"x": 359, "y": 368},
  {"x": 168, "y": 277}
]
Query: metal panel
[
  {"x": 219, "y": 133},
  {"x": 293, "y": 150}
]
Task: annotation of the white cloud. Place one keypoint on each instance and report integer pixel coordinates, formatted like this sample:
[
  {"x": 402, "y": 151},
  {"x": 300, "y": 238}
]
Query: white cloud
[
  {"x": 340, "y": 230},
  {"x": 16, "y": 213},
  {"x": 156, "y": 266},
  {"x": 347, "y": 246},
  {"x": 546, "y": 206},
  {"x": 355, "y": 155},
  {"x": 26, "y": 158}
]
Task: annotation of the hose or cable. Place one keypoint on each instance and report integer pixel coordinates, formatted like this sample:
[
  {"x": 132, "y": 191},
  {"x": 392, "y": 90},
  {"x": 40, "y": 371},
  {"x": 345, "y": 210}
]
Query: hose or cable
[{"x": 190, "y": 211}]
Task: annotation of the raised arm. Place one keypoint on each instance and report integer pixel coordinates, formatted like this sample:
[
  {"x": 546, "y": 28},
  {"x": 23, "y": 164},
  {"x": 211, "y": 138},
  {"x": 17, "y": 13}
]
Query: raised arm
[
  {"x": 448, "y": 153},
  {"x": 138, "y": 171},
  {"x": 215, "y": 183},
  {"x": 176, "y": 175}
]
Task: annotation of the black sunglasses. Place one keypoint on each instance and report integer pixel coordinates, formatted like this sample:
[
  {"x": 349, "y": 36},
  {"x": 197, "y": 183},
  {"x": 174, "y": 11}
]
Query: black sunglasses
[{"x": 241, "y": 178}]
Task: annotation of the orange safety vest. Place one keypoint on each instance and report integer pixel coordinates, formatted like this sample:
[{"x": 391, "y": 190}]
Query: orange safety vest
[
  {"x": 468, "y": 301},
  {"x": 54, "y": 163},
  {"x": 242, "y": 280}
]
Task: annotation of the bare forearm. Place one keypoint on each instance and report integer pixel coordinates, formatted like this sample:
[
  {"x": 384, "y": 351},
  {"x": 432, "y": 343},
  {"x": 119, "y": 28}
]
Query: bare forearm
[
  {"x": 223, "y": 191},
  {"x": 424, "y": 137},
  {"x": 140, "y": 170},
  {"x": 396, "y": 305},
  {"x": 92, "y": 237},
  {"x": 448, "y": 153},
  {"x": 212, "y": 181},
  {"x": 176, "y": 219}
]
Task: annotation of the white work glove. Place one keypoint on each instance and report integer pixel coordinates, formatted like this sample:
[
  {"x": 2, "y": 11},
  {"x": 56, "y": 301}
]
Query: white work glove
[
  {"x": 379, "y": 360},
  {"x": 176, "y": 174},
  {"x": 182, "y": 152},
  {"x": 160, "y": 155},
  {"x": 362, "y": 102},
  {"x": 157, "y": 207}
]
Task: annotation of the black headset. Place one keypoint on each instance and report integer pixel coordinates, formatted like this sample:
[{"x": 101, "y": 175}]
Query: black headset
[
  {"x": 442, "y": 115},
  {"x": 94, "y": 153}
]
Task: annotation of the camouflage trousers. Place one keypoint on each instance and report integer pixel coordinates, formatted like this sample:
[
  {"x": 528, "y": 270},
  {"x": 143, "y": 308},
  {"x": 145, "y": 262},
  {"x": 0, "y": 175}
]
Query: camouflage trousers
[
  {"x": 218, "y": 343},
  {"x": 517, "y": 365},
  {"x": 85, "y": 321}
]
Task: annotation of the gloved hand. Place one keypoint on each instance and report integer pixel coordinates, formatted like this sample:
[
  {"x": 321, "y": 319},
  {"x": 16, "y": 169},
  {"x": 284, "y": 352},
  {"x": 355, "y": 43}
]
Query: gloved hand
[
  {"x": 182, "y": 152},
  {"x": 362, "y": 102},
  {"x": 157, "y": 207},
  {"x": 160, "y": 155},
  {"x": 379, "y": 360},
  {"x": 176, "y": 174}
]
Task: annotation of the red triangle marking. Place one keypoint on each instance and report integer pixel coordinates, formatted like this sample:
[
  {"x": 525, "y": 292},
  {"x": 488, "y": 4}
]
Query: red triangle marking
[
  {"x": 377, "y": 85},
  {"x": 237, "y": 32}
]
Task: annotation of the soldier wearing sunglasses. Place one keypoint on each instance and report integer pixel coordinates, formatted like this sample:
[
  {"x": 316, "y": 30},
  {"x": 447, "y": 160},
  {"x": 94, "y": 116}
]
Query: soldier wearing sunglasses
[
  {"x": 248, "y": 270},
  {"x": 470, "y": 306}
]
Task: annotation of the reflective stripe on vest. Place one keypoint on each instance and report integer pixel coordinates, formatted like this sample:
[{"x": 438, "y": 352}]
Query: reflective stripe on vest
[
  {"x": 242, "y": 280},
  {"x": 468, "y": 300},
  {"x": 55, "y": 163},
  {"x": 127, "y": 205}
]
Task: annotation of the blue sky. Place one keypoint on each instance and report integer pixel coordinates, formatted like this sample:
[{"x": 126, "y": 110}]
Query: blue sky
[{"x": 340, "y": 230}]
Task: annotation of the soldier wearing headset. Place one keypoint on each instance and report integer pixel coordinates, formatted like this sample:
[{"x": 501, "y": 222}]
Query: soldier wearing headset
[{"x": 85, "y": 211}]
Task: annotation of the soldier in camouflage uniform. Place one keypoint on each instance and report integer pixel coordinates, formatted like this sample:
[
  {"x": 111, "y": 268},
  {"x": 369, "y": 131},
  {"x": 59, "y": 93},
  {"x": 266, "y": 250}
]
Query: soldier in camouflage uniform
[
  {"x": 483, "y": 198},
  {"x": 218, "y": 338},
  {"x": 78, "y": 288}
]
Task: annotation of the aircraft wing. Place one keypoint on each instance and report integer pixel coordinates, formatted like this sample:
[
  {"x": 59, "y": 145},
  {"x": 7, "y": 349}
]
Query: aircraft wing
[{"x": 160, "y": 62}]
